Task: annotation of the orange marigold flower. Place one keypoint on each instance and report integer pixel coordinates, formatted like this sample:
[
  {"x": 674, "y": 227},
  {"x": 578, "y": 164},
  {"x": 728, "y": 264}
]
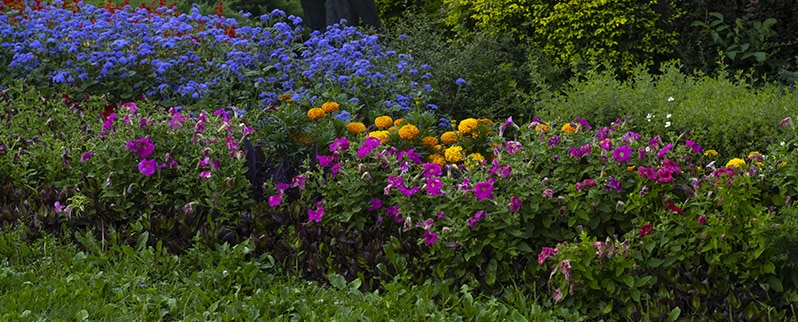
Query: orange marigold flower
[
  {"x": 398, "y": 122},
  {"x": 568, "y": 128},
  {"x": 429, "y": 141},
  {"x": 436, "y": 158},
  {"x": 408, "y": 132},
  {"x": 356, "y": 127},
  {"x": 542, "y": 128},
  {"x": 467, "y": 126},
  {"x": 383, "y": 121},
  {"x": 315, "y": 113},
  {"x": 449, "y": 137},
  {"x": 382, "y": 135},
  {"x": 329, "y": 107}
]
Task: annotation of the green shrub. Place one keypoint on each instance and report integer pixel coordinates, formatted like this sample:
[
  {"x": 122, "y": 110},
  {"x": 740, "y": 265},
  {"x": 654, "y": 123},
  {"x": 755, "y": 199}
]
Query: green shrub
[
  {"x": 499, "y": 76},
  {"x": 624, "y": 33},
  {"x": 726, "y": 112}
]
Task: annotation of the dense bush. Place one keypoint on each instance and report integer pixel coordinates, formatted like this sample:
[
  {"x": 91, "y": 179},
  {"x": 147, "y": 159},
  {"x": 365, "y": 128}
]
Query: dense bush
[
  {"x": 727, "y": 112},
  {"x": 624, "y": 33}
]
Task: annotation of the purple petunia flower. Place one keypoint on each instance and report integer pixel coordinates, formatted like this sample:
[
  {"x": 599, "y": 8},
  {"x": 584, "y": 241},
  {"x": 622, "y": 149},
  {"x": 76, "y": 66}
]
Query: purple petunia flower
[
  {"x": 432, "y": 169},
  {"x": 315, "y": 215},
  {"x": 86, "y": 156},
  {"x": 515, "y": 203},
  {"x": 622, "y": 154},
  {"x": 339, "y": 144},
  {"x": 430, "y": 237},
  {"x": 664, "y": 150},
  {"x": 696, "y": 148},
  {"x": 298, "y": 182},
  {"x": 205, "y": 174},
  {"x": 614, "y": 184},
  {"x": 606, "y": 144},
  {"x": 325, "y": 160},
  {"x": 147, "y": 167},
  {"x": 143, "y": 147},
  {"x": 483, "y": 190},
  {"x": 375, "y": 204},
  {"x": 554, "y": 140},
  {"x": 368, "y": 145},
  {"x": 434, "y": 186},
  {"x": 275, "y": 200}
]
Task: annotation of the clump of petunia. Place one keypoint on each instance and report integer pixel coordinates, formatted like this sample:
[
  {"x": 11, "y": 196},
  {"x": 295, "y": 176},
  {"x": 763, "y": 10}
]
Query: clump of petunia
[{"x": 549, "y": 185}]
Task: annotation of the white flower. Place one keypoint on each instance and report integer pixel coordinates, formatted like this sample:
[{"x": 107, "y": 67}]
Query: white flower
[
  {"x": 782, "y": 143},
  {"x": 671, "y": 99},
  {"x": 649, "y": 116},
  {"x": 667, "y": 124},
  {"x": 668, "y": 116}
]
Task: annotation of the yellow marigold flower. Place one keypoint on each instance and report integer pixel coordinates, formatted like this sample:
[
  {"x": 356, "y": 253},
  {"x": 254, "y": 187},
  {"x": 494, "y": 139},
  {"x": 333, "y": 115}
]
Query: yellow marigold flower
[
  {"x": 383, "y": 121},
  {"x": 315, "y": 113},
  {"x": 429, "y": 141},
  {"x": 382, "y": 135},
  {"x": 568, "y": 128},
  {"x": 449, "y": 137},
  {"x": 437, "y": 148},
  {"x": 467, "y": 126},
  {"x": 630, "y": 168},
  {"x": 736, "y": 162},
  {"x": 454, "y": 154},
  {"x": 329, "y": 107},
  {"x": 783, "y": 163},
  {"x": 487, "y": 122},
  {"x": 356, "y": 127},
  {"x": 436, "y": 158},
  {"x": 285, "y": 98},
  {"x": 398, "y": 122},
  {"x": 408, "y": 132},
  {"x": 474, "y": 159},
  {"x": 754, "y": 154},
  {"x": 710, "y": 153},
  {"x": 542, "y": 128}
]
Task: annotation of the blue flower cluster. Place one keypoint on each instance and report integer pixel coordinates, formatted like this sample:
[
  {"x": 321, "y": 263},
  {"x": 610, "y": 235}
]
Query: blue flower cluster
[{"x": 180, "y": 58}]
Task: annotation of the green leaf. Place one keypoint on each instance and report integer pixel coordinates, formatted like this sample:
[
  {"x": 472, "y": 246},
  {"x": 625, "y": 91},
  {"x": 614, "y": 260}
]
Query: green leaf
[
  {"x": 337, "y": 281},
  {"x": 635, "y": 295},
  {"x": 775, "y": 283},
  {"x": 674, "y": 314},
  {"x": 629, "y": 281}
]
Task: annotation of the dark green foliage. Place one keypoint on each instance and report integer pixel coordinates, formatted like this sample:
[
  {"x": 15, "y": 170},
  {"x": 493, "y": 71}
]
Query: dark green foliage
[{"x": 502, "y": 75}]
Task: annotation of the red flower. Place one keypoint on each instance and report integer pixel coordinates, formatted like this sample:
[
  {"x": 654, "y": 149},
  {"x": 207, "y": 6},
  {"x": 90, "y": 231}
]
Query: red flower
[
  {"x": 672, "y": 207},
  {"x": 645, "y": 230}
]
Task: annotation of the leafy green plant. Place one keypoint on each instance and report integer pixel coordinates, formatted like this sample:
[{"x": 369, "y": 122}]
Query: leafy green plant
[{"x": 745, "y": 40}]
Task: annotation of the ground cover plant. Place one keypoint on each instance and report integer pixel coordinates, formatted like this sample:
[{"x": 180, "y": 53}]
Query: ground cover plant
[{"x": 335, "y": 174}]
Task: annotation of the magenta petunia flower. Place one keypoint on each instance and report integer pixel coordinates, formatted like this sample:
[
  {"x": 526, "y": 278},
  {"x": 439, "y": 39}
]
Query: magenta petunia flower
[
  {"x": 548, "y": 193},
  {"x": 696, "y": 148},
  {"x": 512, "y": 147},
  {"x": 375, "y": 204},
  {"x": 434, "y": 186},
  {"x": 702, "y": 220},
  {"x": 641, "y": 153},
  {"x": 58, "y": 207},
  {"x": 315, "y": 215},
  {"x": 275, "y": 200},
  {"x": 483, "y": 190},
  {"x": 664, "y": 150},
  {"x": 232, "y": 145},
  {"x": 335, "y": 169},
  {"x": 143, "y": 147},
  {"x": 647, "y": 173},
  {"x": 368, "y": 145},
  {"x": 131, "y": 107},
  {"x": 430, "y": 237},
  {"x": 325, "y": 160},
  {"x": 205, "y": 174},
  {"x": 298, "y": 182},
  {"x": 585, "y": 184},
  {"x": 584, "y": 123},
  {"x": 339, "y": 144},
  {"x": 545, "y": 253},
  {"x": 622, "y": 154},
  {"x": 393, "y": 211},
  {"x": 606, "y": 144},
  {"x": 515, "y": 203},
  {"x": 177, "y": 120},
  {"x": 147, "y": 167},
  {"x": 409, "y": 192},
  {"x": 432, "y": 169}
]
